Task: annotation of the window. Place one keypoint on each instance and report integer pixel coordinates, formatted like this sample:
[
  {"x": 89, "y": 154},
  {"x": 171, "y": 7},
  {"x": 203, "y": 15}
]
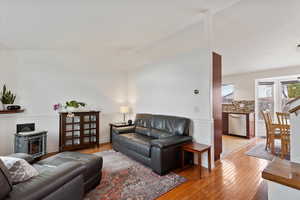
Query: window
[
  {"x": 227, "y": 93},
  {"x": 293, "y": 89},
  {"x": 272, "y": 94},
  {"x": 265, "y": 97},
  {"x": 289, "y": 90}
]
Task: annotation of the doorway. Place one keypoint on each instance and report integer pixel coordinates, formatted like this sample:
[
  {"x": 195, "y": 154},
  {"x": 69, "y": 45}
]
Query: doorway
[
  {"x": 272, "y": 94},
  {"x": 238, "y": 121}
]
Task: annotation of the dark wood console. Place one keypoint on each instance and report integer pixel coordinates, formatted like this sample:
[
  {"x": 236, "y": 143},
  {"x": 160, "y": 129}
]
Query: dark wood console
[{"x": 78, "y": 131}]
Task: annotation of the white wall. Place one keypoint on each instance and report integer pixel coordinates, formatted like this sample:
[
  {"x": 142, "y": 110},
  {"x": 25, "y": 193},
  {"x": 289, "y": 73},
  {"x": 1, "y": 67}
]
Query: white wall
[
  {"x": 245, "y": 83},
  {"x": 166, "y": 85},
  {"x": 43, "y": 77},
  {"x": 277, "y": 191},
  {"x": 295, "y": 129},
  {"x": 168, "y": 88}
]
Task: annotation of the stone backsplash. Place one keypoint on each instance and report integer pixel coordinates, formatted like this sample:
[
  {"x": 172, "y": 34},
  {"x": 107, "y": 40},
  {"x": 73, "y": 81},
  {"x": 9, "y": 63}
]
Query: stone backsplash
[{"x": 239, "y": 106}]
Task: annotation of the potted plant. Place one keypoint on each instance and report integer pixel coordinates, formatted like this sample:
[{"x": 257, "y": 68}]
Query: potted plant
[
  {"x": 73, "y": 105},
  {"x": 7, "y": 97},
  {"x": 70, "y": 106}
]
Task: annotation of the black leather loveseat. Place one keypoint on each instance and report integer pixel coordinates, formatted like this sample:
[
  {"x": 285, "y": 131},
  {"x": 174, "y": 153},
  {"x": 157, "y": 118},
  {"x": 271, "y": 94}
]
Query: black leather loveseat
[{"x": 154, "y": 140}]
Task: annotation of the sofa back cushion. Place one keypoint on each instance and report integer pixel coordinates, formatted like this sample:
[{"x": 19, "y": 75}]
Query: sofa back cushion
[
  {"x": 143, "y": 124},
  {"x": 143, "y": 120},
  {"x": 5, "y": 181},
  {"x": 148, "y": 124},
  {"x": 171, "y": 124}
]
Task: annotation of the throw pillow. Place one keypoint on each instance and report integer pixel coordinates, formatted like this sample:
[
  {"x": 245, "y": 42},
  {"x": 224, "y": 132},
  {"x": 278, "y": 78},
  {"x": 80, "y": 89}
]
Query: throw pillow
[
  {"x": 5, "y": 182},
  {"x": 19, "y": 169}
]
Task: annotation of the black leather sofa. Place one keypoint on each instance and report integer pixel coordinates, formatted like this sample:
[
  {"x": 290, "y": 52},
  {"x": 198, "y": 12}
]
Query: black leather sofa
[
  {"x": 154, "y": 140},
  {"x": 67, "y": 175}
]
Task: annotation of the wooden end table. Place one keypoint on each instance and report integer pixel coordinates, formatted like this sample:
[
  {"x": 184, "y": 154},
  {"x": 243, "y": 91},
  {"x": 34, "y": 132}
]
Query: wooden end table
[{"x": 199, "y": 149}]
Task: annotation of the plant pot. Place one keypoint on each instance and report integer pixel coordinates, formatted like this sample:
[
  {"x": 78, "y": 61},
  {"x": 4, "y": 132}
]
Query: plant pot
[
  {"x": 6, "y": 105},
  {"x": 71, "y": 109}
]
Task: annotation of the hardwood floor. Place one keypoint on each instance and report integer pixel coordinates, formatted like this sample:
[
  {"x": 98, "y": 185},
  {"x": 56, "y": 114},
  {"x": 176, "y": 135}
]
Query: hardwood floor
[{"x": 235, "y": 177}]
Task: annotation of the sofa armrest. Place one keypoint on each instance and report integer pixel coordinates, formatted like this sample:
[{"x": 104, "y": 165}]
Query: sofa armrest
[
  {"x": 49, "y": 181},
  {"x": 120, "y": 130},
  {"x": 170, "y": 141},
  {"x": 25, "y": 156}
]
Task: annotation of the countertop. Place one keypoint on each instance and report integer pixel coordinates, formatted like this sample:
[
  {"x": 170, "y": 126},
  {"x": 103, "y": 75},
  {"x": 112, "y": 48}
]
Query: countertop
[
  {"x": 238, "y": 112},
  {"x": 283, "y": 172}
]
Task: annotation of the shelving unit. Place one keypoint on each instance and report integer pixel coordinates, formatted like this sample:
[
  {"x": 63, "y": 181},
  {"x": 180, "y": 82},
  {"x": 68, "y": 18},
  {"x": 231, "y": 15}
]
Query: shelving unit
[
  {"x": 80, "y": 131},
  {"x": 11, "y": 111}
]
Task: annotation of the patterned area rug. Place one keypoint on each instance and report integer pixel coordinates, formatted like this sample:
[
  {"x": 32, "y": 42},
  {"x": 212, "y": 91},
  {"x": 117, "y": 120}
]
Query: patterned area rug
[
  {"x": 126, "y": 179},
  {"x": 259, "y": 151}
]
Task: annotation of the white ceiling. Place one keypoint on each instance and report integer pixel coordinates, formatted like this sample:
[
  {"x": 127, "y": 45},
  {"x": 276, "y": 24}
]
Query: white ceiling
[
  {"x": 114, "y": 32},
  {"x": 251, "y": 35},
  {"x": 255, "y": 35}
]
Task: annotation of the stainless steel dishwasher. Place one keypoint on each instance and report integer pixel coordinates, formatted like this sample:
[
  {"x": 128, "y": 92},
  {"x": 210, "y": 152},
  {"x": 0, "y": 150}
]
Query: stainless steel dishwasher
[{"x": 237, "y": 124}]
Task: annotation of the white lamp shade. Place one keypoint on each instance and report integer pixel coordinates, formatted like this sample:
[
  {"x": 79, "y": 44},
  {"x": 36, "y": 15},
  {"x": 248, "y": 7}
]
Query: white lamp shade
[{"x": 124, "y": 109}]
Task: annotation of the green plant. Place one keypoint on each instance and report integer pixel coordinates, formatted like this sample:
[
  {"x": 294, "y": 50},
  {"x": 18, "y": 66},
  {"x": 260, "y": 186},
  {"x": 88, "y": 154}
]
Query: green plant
[
  {"x": 7, "y": 97},
  {"x": 74, "y": 104},
  {"x": 294, "y": 90}
]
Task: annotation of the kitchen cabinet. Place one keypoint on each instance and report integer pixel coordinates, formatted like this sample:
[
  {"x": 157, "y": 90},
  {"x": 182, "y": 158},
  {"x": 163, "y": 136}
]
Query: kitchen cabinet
[{"x": 245, "y": 129}]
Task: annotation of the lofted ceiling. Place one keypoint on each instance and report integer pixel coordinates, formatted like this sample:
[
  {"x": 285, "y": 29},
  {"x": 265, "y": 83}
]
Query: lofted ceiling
[
  {"x": 255, "y": 35},
  {"x": 251, "y": 35},
  {"x": 113, "y": 32}
]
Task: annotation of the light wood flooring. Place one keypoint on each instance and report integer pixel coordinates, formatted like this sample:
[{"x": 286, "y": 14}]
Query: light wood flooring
[
  {"x": 235, "y": 177},
  {"x": 233, "y": 143}
]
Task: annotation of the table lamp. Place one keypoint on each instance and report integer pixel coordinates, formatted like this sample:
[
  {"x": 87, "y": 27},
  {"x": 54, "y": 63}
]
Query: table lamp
[{"x": 124, "y": 110}]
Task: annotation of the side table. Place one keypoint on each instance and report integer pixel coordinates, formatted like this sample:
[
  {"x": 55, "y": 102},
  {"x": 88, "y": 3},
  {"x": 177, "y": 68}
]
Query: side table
[
  {"x": 199, "y": 149},
  {"x": 117, "y": 125}
]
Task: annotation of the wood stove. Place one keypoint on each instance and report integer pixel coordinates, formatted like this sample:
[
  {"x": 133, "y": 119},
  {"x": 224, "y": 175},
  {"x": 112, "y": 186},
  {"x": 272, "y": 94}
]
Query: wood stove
[{"x": 29, "y": 141}]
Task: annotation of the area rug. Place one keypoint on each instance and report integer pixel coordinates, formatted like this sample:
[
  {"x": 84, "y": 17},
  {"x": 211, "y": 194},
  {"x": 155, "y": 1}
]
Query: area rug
[
  {"x": 259, "y": 151},
  {"x": 126, "y": 179}
]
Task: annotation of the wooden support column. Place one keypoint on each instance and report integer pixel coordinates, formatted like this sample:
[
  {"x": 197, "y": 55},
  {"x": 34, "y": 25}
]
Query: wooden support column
[{"x": 217, "y": 103}]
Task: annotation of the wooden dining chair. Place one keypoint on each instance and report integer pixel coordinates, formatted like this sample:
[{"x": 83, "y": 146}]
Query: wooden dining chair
[
  {"x": 272, "y": 131},
  {"x": 285, "y": 139},
  {"x": 283, "y": 118}
]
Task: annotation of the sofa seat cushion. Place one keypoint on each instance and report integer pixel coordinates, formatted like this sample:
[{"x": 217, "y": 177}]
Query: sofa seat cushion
[
  {"x": 156, "y": 133},
  {"x": 142, "y": 131},
  {"x": 49, "y": 180},
  {"x": 136, "y": 142},
  {"x": 91, "y": 163}
]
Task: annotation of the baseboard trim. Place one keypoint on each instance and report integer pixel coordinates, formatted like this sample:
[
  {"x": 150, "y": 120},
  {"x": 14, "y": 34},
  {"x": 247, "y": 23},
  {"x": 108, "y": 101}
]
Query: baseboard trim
[{"x": 104, "y": 140}]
